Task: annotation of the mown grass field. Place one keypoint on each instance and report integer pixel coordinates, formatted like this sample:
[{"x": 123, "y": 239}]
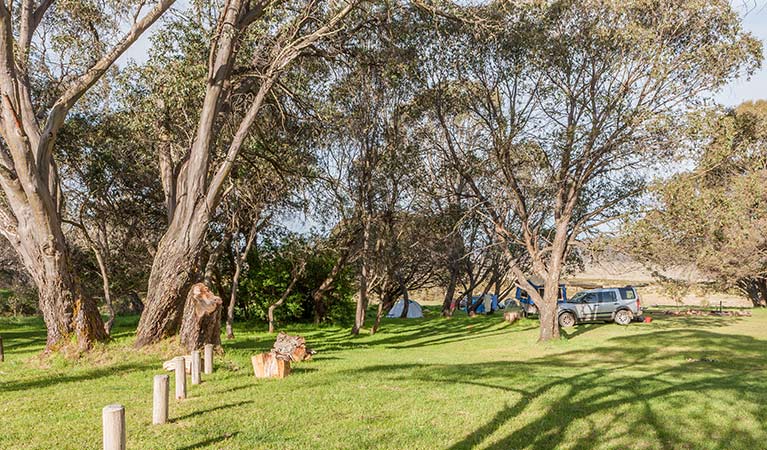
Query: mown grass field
[{"x": 682, "y": 382}]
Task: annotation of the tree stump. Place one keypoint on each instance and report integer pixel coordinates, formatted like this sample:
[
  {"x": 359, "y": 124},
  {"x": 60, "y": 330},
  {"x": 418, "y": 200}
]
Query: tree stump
[
  {"x": 511, "y": 316},
  {"x": 269, "y": 365},
  {"x": 201, "y": 323}
]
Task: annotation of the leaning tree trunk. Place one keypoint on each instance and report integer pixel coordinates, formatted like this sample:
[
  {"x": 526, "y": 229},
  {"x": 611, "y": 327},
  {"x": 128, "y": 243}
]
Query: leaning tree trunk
[
  {"x": 326, "y": 286},
  {"x": 447, "y": 303},
  {"x": 384, "y": 306},
  {"x": 273, "y": 306},
  {"x": 202, "y": 319},
  {"x": 107, "y": 295},
  {"x": 169, "y": 282}
]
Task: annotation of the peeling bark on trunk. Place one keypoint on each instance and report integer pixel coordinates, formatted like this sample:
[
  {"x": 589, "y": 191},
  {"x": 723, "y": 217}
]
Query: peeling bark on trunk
[
  {"x": 172, "y": 275},
  {"x": 66, "y": 312},
  {"x": 31, "y": 214},
  {"x": 202, "y": 319}
]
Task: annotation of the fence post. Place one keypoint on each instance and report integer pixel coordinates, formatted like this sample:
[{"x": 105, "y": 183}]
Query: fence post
[
  {"x": 180, "y": 378},
  {"x": 208, "y": 359},
  {"x": 2, "y": 352},
  {"x": 160, "y": 400},
  {"x": 113, "y": 421},
  {"x": 196, "y": 367}
]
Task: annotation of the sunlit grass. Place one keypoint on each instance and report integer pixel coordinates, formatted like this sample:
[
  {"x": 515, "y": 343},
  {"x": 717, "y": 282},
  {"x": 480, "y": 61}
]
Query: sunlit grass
[{"x": 679, "y": 382}]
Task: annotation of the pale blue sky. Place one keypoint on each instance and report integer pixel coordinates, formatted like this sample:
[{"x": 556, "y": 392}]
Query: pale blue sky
[{"x": 741, "y": 90}]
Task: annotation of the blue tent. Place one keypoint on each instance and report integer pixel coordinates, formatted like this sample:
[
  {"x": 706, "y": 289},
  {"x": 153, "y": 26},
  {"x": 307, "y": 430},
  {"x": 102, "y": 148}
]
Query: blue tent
[{"x": 481, "y": 308}]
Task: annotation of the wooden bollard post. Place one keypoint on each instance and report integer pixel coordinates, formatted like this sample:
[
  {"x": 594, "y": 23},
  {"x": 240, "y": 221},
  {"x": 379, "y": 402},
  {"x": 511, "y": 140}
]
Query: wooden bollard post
[
  {"x": 113, "y": 421},
  {"x": 180, "y": 378},
  {"x": 2, "y": 352},
  {"x": 160, "y": 400},
  {"x": 208, "y": 359},
  {"x": 196, "y": 363}
]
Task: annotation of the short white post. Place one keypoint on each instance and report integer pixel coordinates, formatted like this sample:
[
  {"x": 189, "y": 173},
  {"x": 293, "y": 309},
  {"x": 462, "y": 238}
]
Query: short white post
[
  {"x": 208, "y": 359},
  {"x": 180, "y": 378},
  {"x": 113, "y": 418},
  {"x": 196, "y": 363},
  {"x": 160, "y": 400}
]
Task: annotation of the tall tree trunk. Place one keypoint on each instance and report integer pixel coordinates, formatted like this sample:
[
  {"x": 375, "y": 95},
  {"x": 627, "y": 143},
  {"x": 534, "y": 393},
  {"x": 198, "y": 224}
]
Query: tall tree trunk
[
  {"x": 169, "y": 281},
  {"x": 384, "y": 306},
  {"x": 30, "y": 216},
  {"x": 107, "y": 296},
  {"x": 233, "y": 298},
  {"x": 447, "y": 303},
  {"x": 240, "y": 258},
  {"x": 362, "y": 299},
  {"x": 406, "y": 304}
]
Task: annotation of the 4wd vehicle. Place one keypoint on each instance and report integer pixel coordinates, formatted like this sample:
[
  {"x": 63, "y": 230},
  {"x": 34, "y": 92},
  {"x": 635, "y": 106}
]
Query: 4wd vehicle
[{"x": 620, "y": 305}]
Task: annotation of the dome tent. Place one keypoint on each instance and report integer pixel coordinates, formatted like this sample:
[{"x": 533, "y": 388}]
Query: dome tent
[{"x": 414, "y": 310}]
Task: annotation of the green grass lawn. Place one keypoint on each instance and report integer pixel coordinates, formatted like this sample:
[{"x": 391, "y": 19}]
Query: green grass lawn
[{"x": 682, "y": 382}]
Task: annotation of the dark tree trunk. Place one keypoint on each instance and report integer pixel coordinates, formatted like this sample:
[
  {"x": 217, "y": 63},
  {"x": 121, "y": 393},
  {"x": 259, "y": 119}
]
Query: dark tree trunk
[
  {"x": 762, "y": 285},
  {"x": 384, "y": 306},
  {"x": 288, "y": 290},
  {"x": 326, "y": 286},
  {"x": 447, "y": 303},
  {"x": 406, "y": 305},
  {"x": 202, "y": 319}
]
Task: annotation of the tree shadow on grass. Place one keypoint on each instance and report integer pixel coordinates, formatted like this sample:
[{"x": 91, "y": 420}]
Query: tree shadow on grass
[
  {"x": 628, "y": 382},
  {"x": 209, "y": 442},
  {"x": 399, "y": 334},
  {"x": 209, "y": 410},
  {"x": 51, "y": 380}
]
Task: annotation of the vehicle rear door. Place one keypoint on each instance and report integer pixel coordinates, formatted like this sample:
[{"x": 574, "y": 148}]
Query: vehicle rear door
[
  {"x": 608, "y": 303},
  {"x": 587, "y": 306}
]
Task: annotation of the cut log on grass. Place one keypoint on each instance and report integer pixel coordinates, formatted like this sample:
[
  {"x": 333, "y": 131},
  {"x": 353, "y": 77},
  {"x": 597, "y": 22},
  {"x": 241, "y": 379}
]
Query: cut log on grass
[
  {"x": 291, "y": 348},
  {"x": 201, "y": 323},
  {"x": 511, "y": 316},
  {"x": 269, "y": 365}
]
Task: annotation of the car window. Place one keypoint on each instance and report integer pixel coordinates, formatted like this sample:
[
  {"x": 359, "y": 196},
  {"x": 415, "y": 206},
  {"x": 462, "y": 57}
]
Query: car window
[
  {"x": 607, "y": 297},
  {"x": 627, "y": 293},
  {"x": 590, "y": 297}
]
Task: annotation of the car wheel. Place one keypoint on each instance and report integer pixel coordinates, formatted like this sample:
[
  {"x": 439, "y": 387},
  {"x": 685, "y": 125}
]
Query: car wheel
[
  {"x": 623, "y": 317},
  {"x": 566, "y": 320}
]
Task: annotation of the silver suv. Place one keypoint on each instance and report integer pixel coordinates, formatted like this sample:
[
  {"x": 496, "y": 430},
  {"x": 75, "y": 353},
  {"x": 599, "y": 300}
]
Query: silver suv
[{"x": 620, "y": 305}]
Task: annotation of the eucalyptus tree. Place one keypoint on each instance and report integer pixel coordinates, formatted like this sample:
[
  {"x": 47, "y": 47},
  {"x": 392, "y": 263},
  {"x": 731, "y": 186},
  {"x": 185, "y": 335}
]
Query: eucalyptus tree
[
  {"x": 114, "y": 199},
  {"x": 713, "y": 217},
  {"x": 51, "y": 54},
  {"x": 252, "y": 45},
  {"x": 573, "y": 103}
]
